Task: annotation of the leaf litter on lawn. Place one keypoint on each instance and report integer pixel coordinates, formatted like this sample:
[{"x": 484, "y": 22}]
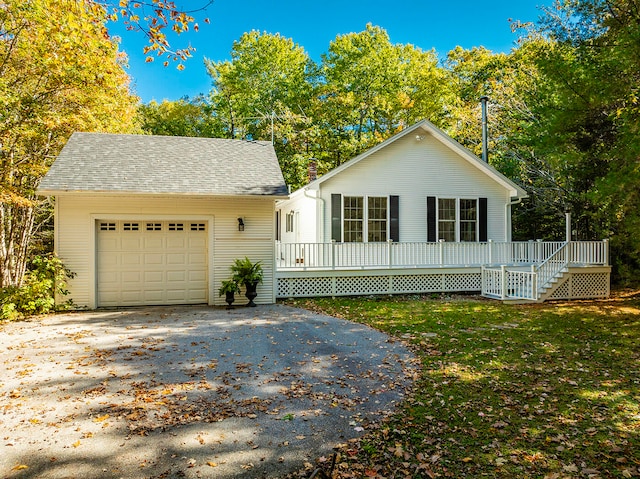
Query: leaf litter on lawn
[{"x": 549, "y": 391}]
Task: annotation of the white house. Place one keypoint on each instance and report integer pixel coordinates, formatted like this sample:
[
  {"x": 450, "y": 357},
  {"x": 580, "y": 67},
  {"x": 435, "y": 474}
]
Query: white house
[
  {"x": 418, "y": 186},
  {"x": 145, "y": 220},
  {"x": 420, "y": 213}
]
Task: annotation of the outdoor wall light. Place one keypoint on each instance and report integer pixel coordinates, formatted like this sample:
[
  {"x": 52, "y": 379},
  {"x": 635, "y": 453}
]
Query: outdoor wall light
[
  {"x": 240, "y": 224},
  {"x": 420, "y": 137}
]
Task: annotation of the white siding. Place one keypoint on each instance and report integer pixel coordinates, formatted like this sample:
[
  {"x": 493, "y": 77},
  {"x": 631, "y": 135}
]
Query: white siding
[
  {"x": 413, "y": 170},
  {"x": 306, "y": 210},
  {"x": 75, "y": 235}
]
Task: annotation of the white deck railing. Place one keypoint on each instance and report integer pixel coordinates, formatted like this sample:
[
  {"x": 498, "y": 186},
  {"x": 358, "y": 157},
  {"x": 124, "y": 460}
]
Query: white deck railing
[
  {"x": 510, "y": 283},
  {"x": 304, "y": 256}
]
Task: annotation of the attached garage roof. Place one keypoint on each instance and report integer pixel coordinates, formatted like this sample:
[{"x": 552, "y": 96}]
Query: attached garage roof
[{"x": 145, "y": 164}]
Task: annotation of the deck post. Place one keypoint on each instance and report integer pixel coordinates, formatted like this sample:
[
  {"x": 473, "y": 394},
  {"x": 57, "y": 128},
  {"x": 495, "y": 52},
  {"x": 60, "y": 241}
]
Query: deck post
[
  {"x": 503, "y": 281},
  {"x": 531, "y": 256},
  {"x": 333, "y": 254},
  {"x": 441, "y": 251},
  {"x": 539, "y": 254},
  {"x": 389, "y": 254},
  {"x": 490, "y": 245}
]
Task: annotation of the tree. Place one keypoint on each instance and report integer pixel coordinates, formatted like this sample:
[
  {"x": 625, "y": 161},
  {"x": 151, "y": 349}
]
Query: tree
[
  {"x": 592, "y": 118},
  {"x": 59, "y": 72},
  {"x": 183, "y": 117},
  {"x": 517, "y": 92},
  {"x": 263, "y": 93},
  {"x": 371, "y": 88},
  {"x": 152, "y": 20}
]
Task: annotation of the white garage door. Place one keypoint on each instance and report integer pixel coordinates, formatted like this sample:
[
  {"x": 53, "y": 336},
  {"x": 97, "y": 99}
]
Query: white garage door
[{"x": 151, "y": 262}]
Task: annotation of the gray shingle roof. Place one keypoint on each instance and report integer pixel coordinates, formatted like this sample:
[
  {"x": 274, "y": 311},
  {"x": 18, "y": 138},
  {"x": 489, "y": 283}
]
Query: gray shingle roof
[{"x": 101, "y": 162}]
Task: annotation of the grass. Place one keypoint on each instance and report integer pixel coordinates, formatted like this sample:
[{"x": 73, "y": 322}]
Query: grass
[{"x": 528, "y": 391}]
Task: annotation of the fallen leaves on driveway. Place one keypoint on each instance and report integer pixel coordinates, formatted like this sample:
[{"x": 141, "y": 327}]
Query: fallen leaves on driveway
[{"x": 71, "y": 389}]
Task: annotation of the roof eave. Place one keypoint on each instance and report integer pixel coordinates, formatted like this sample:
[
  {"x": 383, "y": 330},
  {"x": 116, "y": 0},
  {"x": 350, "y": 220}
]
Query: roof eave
[{"x": 58, "y": 192}]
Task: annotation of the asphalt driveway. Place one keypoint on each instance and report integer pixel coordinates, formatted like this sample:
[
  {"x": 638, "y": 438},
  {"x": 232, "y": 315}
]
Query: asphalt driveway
[{"x": 189, "y": 391}]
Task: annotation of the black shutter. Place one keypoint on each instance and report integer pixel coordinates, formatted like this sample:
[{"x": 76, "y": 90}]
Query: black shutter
[
  {"x": 482, "y": 220},
  {"x": 431, "y": 219},
  {"x": 394, "y": 217},
  {"x": 336, "y": 217}
]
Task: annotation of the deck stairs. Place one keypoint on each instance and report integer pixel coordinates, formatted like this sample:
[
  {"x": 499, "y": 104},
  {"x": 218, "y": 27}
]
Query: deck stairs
[{"x": 527, "y": 284}]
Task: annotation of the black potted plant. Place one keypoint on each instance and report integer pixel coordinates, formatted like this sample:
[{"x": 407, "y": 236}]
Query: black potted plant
[
  {"x": 249, "y": 275},
  {"x": 229, "y": 288}
]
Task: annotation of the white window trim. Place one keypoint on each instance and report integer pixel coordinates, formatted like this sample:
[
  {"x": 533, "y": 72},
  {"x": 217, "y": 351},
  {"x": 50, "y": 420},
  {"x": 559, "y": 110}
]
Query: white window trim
[
  {"x": 365, "y": 219},
  {"x": 457, "y": 226}
]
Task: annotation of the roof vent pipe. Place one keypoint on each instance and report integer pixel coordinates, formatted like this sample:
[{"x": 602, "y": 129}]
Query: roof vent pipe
[{"x": 485, "y": 134}]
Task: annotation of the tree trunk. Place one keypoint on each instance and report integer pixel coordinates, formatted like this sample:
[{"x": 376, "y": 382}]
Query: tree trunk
[{"x": 16, "y": 231}]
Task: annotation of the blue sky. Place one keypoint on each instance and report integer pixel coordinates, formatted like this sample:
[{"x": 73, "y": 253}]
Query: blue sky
[{"x": 441, "y": 25}]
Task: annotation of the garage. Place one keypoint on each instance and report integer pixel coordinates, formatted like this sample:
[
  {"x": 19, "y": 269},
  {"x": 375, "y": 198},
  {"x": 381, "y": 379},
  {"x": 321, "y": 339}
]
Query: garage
[
  {"x": 158, "y": 220},
  {"x": 151, "y": 262}
]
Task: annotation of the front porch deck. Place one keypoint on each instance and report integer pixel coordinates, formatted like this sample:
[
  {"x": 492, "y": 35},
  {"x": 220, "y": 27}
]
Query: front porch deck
[{"x": 523, "y": 271}]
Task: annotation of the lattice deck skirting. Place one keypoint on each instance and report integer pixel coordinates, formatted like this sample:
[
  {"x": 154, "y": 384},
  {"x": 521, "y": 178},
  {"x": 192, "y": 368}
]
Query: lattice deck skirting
[
  {"x": 355, "y": 283},
  {"x": 578, "y": 283},
  {"x": 582, "y": 283}
]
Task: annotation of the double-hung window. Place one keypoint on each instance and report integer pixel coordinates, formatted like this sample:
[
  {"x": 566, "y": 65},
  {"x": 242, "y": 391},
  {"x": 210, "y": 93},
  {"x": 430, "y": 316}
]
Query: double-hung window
[
  {"x": 289, "y": 221},
  {"x": 360, "y": 223},
  {"x": 353, "y": 219},
  {"x": 447, "y": 219},
  {"x": 468, "y": 220},
  {"x": 457, "y": 219},
  {"x": 377, "y": 219}
]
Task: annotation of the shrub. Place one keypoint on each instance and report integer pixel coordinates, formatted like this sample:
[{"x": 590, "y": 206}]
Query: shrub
[{"x": 45, "y": 280}]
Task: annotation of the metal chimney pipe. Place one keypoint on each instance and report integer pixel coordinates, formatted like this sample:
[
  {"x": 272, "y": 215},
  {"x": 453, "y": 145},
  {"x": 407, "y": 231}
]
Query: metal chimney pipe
[{"x": 485, "y": 132}]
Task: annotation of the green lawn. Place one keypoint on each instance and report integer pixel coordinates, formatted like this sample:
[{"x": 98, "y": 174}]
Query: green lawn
[{"x": 544, "y": 391}]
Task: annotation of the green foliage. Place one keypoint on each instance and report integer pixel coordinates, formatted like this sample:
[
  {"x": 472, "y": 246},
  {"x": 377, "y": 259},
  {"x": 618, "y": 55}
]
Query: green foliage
[
  {"x": 45, "y": 280},
  {"x": 364, "y": 90},
  {"x": 564, "y": 112},
  {"x": 504, "y": 391},
  {"x": 372, "y": 88},
  {"x": 59, "y": 73},
  {"x": 228, "y": 286},
  {"x": 179, "y": 118},
  {"x": 245, "y": 272}
]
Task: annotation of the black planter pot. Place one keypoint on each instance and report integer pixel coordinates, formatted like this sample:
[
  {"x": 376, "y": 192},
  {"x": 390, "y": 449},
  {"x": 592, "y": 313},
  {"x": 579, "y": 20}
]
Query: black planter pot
[
  {"x": 251, "y": 293},
  {"x": 229, "y": 298}
]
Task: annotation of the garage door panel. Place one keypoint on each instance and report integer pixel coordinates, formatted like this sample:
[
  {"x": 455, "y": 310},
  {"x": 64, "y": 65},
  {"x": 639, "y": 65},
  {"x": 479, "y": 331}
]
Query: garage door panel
[
  {"x": 197, "y": 259},
  {"x": 154, "y": 277},
  {"x": 129, "y": 243},
  {"x": 131, "y": 277},
  {"x": 131, "y": 297},
  {"x": 176, "y": 242},
  {"x": 130, "y": 259},
  {"x": 154, "y": 296},
  {"x": 177, "y": 276},
  {"x": 175, "y": 295},
  {"x": 176, "y": 258},
  {"x": 154, "y": 259},
  {"x": 197, "y": 242},
  {"x": 197, "y": 276},
  {"x": 108, "y": 243},
  {"x": 108, "y": 277},
  {"x": 147, "y": 263},
  {"x": 154, "y": 242}
]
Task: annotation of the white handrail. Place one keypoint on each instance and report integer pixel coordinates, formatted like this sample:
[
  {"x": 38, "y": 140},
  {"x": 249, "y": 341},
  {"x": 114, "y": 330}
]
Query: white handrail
[{"x": 399, "y": 255}]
